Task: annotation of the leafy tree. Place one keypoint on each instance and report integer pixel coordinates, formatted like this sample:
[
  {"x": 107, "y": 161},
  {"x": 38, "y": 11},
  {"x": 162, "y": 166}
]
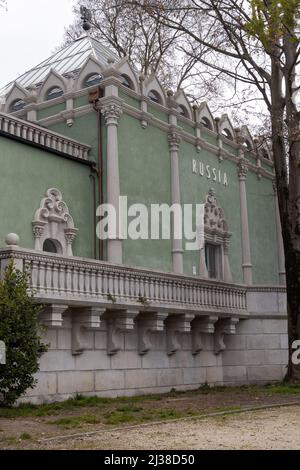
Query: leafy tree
[
  {"x": 256, "y": 43},
  {"x": 20, "y": 331}
]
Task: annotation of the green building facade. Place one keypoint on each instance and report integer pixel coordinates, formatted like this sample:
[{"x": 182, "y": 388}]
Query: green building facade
[{"x": 88, "y": 130}]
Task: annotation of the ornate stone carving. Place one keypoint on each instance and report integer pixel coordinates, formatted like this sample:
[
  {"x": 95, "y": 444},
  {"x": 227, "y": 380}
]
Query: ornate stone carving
[
  {"x": 242, "y": 169},
  {"x": 53, "y": 221},
  {"x": 214, "y": 218},
  {"x": 174, "y": 141},
  {"x": 216, "y": 231},
  {"x": 118, "y": 322},
  {"x": 83, "y": 320},
  {"x": 112, "y": 113},
  {"x": 149, "y": 322},
  {"x": 225, "y": 326},
  {"x": 176, "y": 325},
  {"x": 201, "y": 326}
]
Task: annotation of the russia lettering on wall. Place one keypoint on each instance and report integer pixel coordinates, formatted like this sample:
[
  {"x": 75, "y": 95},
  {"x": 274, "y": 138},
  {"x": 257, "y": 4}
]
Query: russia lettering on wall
[{"x": 211, "y": 173}]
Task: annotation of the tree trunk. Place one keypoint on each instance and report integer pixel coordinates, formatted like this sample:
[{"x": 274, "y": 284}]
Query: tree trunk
[
  {"x": 292, "y": 244},
  {"x": 286, "y": 161}
]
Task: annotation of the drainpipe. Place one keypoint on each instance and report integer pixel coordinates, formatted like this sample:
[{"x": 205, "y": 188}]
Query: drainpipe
[{"x": 94, "y": 98}]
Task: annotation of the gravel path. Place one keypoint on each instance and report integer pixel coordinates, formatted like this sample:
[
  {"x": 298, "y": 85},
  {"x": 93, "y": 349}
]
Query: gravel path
[{"x": 271, "y": 429}]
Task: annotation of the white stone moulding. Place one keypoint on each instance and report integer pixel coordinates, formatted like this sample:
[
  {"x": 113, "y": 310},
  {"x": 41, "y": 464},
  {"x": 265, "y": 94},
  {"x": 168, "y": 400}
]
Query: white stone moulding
[
  {"x": 52, "y": 315},
  {"x": 71, "y": 280},
  {"x": 43, "y": 137},
  {"x": 53, "y": 221},
  {"x": 118, "y": 322},
  {"x": 225, "y": 326},
  {"x": 176, "y": 325},
  {"x": 83, "y": 320},
  {"x": 202, "y": 326},
  {"x": 149, "y": 322}
]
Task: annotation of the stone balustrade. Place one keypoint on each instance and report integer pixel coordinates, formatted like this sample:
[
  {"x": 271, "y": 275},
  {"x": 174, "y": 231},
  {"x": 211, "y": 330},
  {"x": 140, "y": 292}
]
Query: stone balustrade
[
  {"x": 40, "y": 136},
  {"x": 88, "y": 282}
]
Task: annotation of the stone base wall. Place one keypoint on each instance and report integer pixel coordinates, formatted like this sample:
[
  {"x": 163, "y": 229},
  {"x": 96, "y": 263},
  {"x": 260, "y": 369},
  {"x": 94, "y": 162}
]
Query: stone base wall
[{"x": 257, "y": 353}]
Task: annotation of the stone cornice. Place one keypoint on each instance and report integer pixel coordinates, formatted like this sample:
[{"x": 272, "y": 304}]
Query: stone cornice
[
  {"x": 164, "y": 126},
  {"x": 257, "y": 288}
]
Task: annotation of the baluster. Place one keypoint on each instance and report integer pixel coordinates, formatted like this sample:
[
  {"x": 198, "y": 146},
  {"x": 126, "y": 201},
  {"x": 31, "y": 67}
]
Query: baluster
[
  {"x": 34, "y": 274},
  {"x": 55, "y": 278},
  {"x": 104, "y": 282},
  {"x": 5, "y": 125},
  {"x": 68, "y": 279},
  {"x": 42, "y": 276}
]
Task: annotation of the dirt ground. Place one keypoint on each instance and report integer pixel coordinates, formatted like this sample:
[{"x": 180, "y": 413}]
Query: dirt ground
[
  {"x": 125, "y": 423},
  {"x": 271, "y": 429}
]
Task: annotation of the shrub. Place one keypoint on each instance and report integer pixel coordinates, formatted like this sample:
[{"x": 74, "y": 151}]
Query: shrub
[{"x": 20, "y": 330}]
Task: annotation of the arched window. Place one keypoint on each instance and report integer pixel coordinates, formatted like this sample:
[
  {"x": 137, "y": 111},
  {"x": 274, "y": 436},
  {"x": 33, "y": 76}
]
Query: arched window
[
  {"x": 248, "y": 145},
  {"x": 17, "y": 105},
  {"x": 53, "y": 93},
  {"x": 183, "y": 111},
  {"x": 52, "y": 246},
  {"x": 92, "y": 80},
  {"x": 206, "y": 123},
  {"x": 226, "y": 132},
  {"x": 154, "y": 96},
  {"x": 126, "y": 81}
]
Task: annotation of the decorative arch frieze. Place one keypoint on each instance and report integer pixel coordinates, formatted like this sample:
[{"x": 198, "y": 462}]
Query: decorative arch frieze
[
  {"x": 205, "y": 117},
  {"x": 53, "y": 224},
  {"x": 124, "y": 68},
  {"x": 17, "y": 92},
  {"x": 91, "y": 66},
  {"x": 182, "y": 101},
  {"x": 153, "y": 84},
  {"x": 53, "y": 79},
  {"x": 226, "y": 129}
]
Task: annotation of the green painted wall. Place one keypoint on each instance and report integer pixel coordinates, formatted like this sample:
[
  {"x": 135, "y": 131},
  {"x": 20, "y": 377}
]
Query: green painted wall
[
  {"x": 187, "y": 128},
  {"x": 26, "y": 174},
  {"x": 158, "y": 113},
  {"x": 145, "y": 178},
  {"x": 262, "y": 228},
  {"x": 81, "y": 101},
  {"x": 194, "y": 189},
  {"x": 130, "y": 100},
  {"x": 51, "y": 110},
  {"x": 212, "y": 139},
  {"x": 84, "y": 130}
]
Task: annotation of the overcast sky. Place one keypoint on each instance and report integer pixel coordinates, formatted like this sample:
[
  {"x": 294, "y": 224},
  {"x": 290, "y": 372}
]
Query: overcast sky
[{"x": 30, "y": 30}]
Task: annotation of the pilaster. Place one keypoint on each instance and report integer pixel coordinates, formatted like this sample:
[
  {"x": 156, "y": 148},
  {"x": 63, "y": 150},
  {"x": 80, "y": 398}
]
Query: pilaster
[
  {"x": 177, "y": 251},
  {"x": 246, "y": 252},
  {"x": 111, "y": 109}
]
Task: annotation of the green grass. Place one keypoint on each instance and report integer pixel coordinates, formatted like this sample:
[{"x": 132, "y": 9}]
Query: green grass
[
  {"x": 130, "y": 406},
  {"x": 283, "y": 389},
  {"x": 27, "y": 409},
  {"x": 25, "y": 436},
  {"x": 75, "y": 421}
]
